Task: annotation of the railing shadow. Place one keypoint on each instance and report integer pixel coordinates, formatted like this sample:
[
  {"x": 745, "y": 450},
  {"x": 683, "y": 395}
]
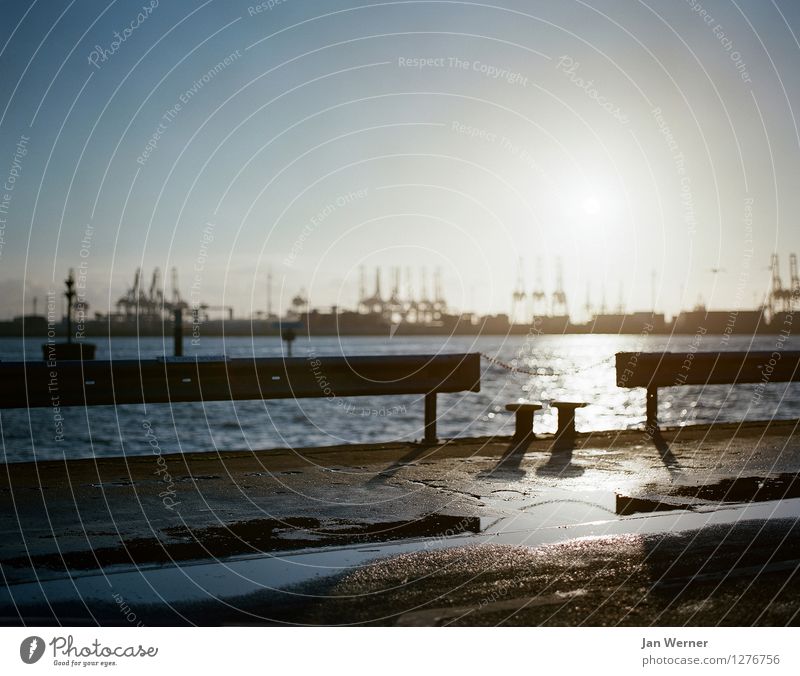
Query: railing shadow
[
  {"x": 407, "y": 460},
  {"x": 665, "y": 452}
]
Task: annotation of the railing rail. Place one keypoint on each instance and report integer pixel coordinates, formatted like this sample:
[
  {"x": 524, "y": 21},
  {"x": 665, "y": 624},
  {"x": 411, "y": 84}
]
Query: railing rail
[
  {"x": 674, "y": 369},
  {"x": 173, "y": 380}
]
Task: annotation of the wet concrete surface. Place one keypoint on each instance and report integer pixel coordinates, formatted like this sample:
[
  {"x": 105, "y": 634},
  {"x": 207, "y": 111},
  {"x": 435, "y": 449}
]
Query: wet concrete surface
[{"x": 698, "y": 526}]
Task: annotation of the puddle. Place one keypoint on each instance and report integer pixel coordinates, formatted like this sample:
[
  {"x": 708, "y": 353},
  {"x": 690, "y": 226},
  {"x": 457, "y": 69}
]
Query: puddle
[
  {"x": 627, "y": 506},
  {"x": 738, "y": 490},
  {"x": 257, "y": 536},
  {"x": 236, "y": 577},
  {"x": 744, "y": 489}
]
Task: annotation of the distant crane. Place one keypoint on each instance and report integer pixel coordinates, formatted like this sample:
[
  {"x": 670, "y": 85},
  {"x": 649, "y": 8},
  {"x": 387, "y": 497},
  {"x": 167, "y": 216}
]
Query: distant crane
[
  {"x": 424, "y": 305},
  {"x": 153, "y": 303},
  {"x": 374, "y": 304},
  {"x": 395, "y": 304},
  {"x": 411, "y": 307},
  {"x": 177, "y": 300},
  {"x": 603, "y": 306},
  {"x": 401, "y": 304},
  {"x": 538, "y": 296},
  {"x": 269, "y": 293},
  {"x": 518, "y": 296},
  {"x": 794, "y": 297},
  {"x": 155, "y": 294},
  {"x": 559, "y": 298},
  {"x": 776, "y": 290},
  {"x": 129, "y": 303},
  {"x": 362, "y": 289},
  {"x": 439, "y": 303},
  {"x": 780, "y": 299},
  {"x": 588, "y": 305}
]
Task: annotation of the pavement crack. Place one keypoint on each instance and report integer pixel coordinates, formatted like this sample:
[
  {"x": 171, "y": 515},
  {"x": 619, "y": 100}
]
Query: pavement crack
[{"x": 436, "y": 485}]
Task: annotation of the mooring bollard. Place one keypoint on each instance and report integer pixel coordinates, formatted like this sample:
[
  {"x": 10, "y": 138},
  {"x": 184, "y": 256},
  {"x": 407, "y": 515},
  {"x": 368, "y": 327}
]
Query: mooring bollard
[
  {"x": 178, "y": 332},
  {"x": 565, "y": 434},
  {"x": 523, "y": 423}
]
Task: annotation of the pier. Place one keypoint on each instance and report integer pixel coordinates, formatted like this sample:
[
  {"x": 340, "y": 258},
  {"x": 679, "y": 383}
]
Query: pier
[
  {"x": 696, "y": 524},
  {"x": 479, "y": 531}
]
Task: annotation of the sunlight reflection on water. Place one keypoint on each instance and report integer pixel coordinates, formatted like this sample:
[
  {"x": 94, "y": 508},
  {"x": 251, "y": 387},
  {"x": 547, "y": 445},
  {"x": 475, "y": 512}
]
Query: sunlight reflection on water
[{"x": 576, "y": 367}]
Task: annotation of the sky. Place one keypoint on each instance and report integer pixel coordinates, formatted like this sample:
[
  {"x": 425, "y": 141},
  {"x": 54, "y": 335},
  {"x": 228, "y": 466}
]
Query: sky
[{"x": 650, "y": 148}]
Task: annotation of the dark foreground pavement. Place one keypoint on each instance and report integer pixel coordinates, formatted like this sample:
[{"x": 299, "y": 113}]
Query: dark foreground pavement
[{"x": 697, "y": 527}]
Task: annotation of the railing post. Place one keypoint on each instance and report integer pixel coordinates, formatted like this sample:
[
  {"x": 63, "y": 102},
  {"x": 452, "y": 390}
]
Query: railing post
[
  {"x": 178, "y": 332},
  {"x": 652, "y": 408},
  {"x": 430, "y": 418},
  {"x": 288, "y": 335}
]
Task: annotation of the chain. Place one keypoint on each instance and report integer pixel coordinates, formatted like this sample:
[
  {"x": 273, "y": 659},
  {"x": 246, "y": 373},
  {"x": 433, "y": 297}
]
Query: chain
[{"x": 510, "y": 367}]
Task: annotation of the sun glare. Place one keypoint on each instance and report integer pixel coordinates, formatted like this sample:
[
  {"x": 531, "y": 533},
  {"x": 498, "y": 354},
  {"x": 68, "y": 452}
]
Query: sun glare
[
  {"x": 592, "y": 206},
  {"x": 598, "y": 202}
]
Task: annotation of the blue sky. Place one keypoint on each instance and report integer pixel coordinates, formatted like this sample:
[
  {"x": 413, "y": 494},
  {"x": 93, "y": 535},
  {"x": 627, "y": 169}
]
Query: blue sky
[{"x": 317, "y": 137}]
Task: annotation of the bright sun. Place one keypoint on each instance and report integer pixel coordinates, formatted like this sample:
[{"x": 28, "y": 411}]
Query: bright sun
[
  {"x": 592, "y": 206},
  {"x": 599, "y": 204}
]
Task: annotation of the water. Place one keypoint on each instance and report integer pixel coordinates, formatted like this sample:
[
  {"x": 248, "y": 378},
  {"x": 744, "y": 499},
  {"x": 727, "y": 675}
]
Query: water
[{"x": 571, "y": 367}]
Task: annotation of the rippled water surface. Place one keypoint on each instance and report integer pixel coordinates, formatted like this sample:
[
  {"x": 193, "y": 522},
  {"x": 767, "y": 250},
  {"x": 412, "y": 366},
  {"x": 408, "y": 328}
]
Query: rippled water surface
[{"x": 569, "y": 367}]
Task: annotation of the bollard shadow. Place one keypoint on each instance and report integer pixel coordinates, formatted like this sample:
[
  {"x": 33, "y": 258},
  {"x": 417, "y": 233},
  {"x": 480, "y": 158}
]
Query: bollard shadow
[
  {"x": 560, "y": 464},
  {"x": 510, "y": 462}
]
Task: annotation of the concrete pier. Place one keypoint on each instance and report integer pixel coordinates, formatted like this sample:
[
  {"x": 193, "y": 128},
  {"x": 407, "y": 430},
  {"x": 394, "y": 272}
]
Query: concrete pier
[{"x": 697, "y": 526}]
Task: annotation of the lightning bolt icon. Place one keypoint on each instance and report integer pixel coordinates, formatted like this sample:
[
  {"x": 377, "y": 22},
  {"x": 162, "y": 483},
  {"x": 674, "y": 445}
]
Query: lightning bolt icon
[{"x": 32, "y": 648}]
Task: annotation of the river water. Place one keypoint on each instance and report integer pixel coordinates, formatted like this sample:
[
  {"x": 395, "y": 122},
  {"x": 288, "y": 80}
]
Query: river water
[{"x": 567, "y": 367}]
